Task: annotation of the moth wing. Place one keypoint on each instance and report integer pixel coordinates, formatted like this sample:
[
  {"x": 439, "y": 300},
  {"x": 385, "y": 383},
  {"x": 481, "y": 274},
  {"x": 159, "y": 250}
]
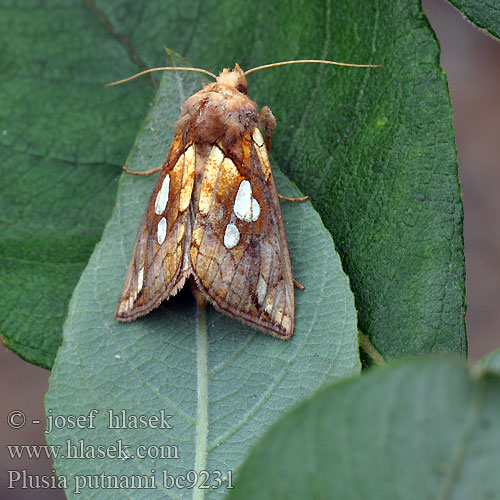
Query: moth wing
[
  {"x": 160, "y": 264},
  {"x": 239, "y": 253}
]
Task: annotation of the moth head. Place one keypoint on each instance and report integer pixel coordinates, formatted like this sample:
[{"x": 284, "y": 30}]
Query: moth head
[{"x": 235, "y": 79}]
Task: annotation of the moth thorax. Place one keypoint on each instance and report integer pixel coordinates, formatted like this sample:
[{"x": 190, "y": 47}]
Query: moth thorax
[{"x": 235, "y": 79}]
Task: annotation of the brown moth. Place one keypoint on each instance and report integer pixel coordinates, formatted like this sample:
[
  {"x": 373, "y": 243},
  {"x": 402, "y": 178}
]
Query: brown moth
[{"x": 214, "y": 216}]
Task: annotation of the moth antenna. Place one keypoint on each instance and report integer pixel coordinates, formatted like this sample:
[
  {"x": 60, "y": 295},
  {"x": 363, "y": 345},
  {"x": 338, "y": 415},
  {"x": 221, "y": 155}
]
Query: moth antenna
[
  {"x": 319, "y": 61},
  {"x": 199, "y": 70}
]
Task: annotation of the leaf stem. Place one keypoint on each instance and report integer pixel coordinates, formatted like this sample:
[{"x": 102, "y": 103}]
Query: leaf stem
[
  {"x": 202, "y": 414},
  {"x": 369, "y": 348}
]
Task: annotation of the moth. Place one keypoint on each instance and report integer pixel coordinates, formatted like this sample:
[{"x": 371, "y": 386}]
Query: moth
[{"x": 214, "y": 216}]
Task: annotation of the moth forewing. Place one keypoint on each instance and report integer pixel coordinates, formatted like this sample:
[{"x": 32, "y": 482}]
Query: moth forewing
[
  {"x": 246, "y": 273},
  {"x": 157, "y": 267},
  {"x": 214, "y": 214}
]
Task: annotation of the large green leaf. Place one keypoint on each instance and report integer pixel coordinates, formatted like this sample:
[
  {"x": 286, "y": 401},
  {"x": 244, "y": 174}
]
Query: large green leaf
[
  {"x": 62, "y": 139},
  {"x": 376, "y": 152},
  {"x": 223, "y": 382},
  {"x": 373, "y": 148},
  {"x": 422, "y": 430},
  {"x": 486, "y": 15}
]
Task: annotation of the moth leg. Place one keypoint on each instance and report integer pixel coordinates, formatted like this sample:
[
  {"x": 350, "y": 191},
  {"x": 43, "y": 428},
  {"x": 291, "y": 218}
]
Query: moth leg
[
  {"x": 147, "y": 172},
  {"x": 298, "y": 285},
  {"x": 268, "y": 121},
  {"x": 302, "y": 198}
]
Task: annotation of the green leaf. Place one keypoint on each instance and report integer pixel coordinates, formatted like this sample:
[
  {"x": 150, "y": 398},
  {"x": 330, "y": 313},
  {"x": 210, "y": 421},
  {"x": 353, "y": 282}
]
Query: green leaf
[
  {"x": 375, "y": 151},
  {"x": 223, "y": 382},
  {"x": 485, "y": 15},
  {"x": 373, "y": 148},
  {"x": 422, "y": 430},
  {"x": 63, "y": 137}
]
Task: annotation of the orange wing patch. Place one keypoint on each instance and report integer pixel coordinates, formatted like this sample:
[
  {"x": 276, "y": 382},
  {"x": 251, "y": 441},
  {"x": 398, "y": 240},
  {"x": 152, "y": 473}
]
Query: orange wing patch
[{"x": 261, "y": 150}]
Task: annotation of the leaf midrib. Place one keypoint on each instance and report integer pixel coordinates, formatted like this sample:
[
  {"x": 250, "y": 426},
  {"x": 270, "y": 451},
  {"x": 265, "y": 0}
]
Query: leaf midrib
[{"x": 201, "y": 439}]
